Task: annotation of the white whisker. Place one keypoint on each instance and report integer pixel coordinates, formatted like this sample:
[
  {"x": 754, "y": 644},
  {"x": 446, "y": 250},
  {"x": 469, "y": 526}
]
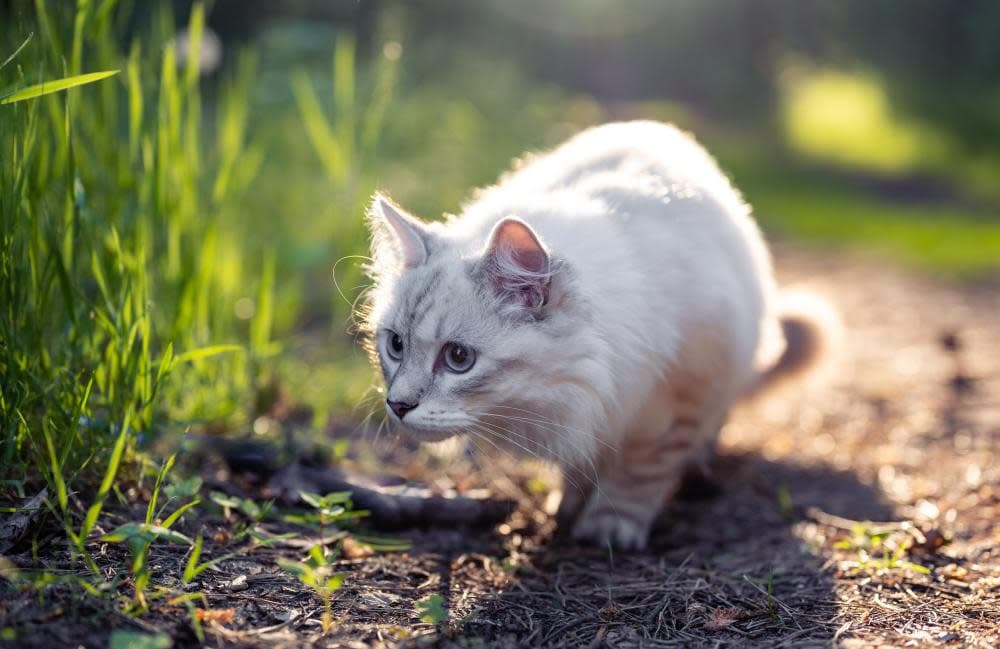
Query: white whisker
[
  {"x": 503, "y": 434},
  {"x": 563, "y": 431},
  {"x": 542, "y": 419}
]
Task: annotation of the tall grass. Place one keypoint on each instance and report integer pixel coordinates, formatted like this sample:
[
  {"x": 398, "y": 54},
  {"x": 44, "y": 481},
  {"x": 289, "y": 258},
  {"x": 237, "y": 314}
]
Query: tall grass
[
  {"x": 117, "y": 282},
  {"x": 144, "y": 285}
]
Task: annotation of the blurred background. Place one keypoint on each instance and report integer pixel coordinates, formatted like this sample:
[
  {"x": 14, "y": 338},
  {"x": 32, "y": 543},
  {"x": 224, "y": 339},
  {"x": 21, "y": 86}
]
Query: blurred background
[{"x": 239, "y": 183}]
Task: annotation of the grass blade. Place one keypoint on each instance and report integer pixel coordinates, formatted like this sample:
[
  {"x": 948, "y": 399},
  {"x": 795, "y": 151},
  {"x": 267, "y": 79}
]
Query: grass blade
[
  {"x": 48, "y": 87},
  {"x": 51, "y": 34},
  {"x": 109, "y": 478},
  {"x": 17, "y": 51},
  {"x": 56, "y": 469},
  {"x": 260, "y": 327},
  {"x": 151, "y": 508},
  {"x": 191, "y": 568},
  {"x": 205, "y": 352},
  {"x": 180, "y": 512},
  {"x": 135, "y": 102},
  {"x": 324, "y": 143}
]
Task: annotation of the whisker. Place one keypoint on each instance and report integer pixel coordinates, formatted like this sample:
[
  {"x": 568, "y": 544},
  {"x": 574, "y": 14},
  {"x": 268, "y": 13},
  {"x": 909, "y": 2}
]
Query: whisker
[
  {"x": 593, "y": 481},
  {"x": 502, "y": 432},
  {"x": 489, "y": 468},
  {"x": 542, "y": 419},
  {"x": 483, "y": 426},
  {"x": 369, "y": 401},
  {"x": 482, "y": 436},
  {"x": 337, "y": 284},
  {"x": 564, "y": 433}
]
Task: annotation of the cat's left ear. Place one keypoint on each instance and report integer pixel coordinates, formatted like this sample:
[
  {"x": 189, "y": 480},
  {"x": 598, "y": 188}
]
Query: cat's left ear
[
  {"x": 517, "y": 264},
  {"x": 397, "y": 237}
]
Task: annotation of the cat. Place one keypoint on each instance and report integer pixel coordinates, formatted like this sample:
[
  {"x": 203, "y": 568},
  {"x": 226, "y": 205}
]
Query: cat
[{"x": 603, "y": 307}]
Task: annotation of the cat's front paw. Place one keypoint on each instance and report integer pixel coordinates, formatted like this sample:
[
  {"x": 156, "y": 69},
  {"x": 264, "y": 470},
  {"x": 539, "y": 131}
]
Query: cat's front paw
[{"x": 603, "y": 527}]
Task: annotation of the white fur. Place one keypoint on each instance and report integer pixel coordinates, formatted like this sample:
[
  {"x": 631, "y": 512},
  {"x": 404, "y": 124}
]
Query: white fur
[{"x": 659, "y": 277}]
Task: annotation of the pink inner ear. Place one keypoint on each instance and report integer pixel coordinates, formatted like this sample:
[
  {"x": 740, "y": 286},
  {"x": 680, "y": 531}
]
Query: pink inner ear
[
  {"x": 516, "y": 239},
  {"x": 520, "y": 264},
  {"x": 526, "y": 251}
]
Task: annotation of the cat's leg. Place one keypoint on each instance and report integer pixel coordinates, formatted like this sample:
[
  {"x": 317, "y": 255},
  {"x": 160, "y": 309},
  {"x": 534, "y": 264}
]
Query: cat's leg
[
  {"x": 577, "y": 485},
  {"x": 677, "y": 426},
  {"x": 632, "y": 489},
  {"x": 635, "y": 484}
]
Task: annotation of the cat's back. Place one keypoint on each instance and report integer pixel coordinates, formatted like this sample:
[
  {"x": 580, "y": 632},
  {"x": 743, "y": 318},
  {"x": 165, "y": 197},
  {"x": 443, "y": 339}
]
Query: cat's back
[
  {"x": 642, "y": 196},
  {"x": 642, "y": 185},
  {"x": 642, "y": 170},
  {"x": 626, "y": 150}
]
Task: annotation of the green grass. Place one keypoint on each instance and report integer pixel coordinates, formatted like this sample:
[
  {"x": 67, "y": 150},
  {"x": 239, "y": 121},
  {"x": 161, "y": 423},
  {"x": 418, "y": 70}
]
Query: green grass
[
  {"x": 823, "y": 208},
  {"x": 847, "y": 118},
  {"x": 111, "y": 300}
]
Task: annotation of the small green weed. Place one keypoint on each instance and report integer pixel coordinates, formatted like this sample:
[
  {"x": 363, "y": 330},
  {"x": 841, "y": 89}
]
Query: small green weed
[
  {"x": 880, "y": 548},
  {"x": 785, "y": 504},
  {"x": 246, "y": 506},
  {"x": 431, "y": 609},
  {"x": 325, "y": 511},
  {"x": 252, "y": 513},
  {"x": 139, "y": 537},
  {"x": 771, "y": 608},
  {"x": 317, "y": 572}
]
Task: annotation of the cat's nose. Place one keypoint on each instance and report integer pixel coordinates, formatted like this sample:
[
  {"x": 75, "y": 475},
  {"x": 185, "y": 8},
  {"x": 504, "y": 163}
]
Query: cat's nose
[{"x": 401, "y": 408}]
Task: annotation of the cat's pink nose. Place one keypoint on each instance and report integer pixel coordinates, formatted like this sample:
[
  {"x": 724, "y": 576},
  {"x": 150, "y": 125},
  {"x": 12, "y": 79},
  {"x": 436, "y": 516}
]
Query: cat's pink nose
[{"x": 401, "y": 408}]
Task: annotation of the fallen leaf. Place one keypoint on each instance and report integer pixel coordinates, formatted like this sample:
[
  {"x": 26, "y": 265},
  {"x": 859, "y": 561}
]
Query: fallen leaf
[
  {"x": 609, "y": 612},
  {"x": 721, "y": 618},
  {"x": 354, "y": 550},
  {"x": 934, "y": 539},
  {"x": 954, "y": 571},
  {"x": 215, "y": 615}
]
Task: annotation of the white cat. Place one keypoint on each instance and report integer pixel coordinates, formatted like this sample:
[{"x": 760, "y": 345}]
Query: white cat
[{"x": 603, "y": 307}]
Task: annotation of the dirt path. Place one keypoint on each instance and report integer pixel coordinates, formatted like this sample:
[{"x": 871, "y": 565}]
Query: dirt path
[{"x": 906, "y": 432}]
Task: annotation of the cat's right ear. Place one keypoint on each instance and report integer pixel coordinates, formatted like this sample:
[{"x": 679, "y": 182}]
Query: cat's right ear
[
  {"x": 398, "y": 238},
  {"x": 517, "y": 264}
]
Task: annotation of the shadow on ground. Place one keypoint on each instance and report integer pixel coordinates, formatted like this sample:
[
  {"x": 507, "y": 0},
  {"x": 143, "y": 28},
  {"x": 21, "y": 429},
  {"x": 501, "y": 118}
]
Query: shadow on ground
[{"x": 731, "y": 569}]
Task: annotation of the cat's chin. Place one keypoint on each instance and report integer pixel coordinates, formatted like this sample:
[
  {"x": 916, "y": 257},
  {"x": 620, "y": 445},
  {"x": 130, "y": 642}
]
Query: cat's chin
[{"x": 427, "y": 435}]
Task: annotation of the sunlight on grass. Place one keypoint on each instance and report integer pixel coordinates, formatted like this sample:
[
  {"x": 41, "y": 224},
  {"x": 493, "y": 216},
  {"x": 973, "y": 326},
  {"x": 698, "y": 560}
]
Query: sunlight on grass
[
  {"x": 949, "y": 241},
  {"x": 846, "y": 118}
]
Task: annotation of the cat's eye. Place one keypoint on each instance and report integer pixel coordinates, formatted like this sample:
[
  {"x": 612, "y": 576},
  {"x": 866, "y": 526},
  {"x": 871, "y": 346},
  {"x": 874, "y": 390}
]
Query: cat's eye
[
  {"x": 394, "y": 346},
  {"x": 458, "y": 358}
]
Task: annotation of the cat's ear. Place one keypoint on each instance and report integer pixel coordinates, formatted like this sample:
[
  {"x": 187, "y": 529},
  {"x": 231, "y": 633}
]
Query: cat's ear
[
  {"x": 517, "y": 264},
  {"x": 397, "y": 237}
]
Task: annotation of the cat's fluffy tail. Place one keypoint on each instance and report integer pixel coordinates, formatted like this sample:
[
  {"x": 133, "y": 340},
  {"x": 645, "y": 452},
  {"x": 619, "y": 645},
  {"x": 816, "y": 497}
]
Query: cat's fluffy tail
[{"x": 811, "y": 328}]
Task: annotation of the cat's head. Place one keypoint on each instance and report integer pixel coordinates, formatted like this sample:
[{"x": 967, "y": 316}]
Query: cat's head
[{"x": 471, "y": 338}]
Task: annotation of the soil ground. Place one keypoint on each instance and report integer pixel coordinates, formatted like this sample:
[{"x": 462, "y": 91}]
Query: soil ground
[{"x": 860, "y": 509}]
